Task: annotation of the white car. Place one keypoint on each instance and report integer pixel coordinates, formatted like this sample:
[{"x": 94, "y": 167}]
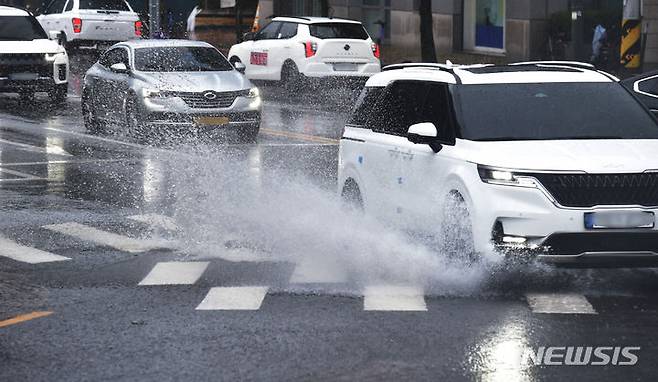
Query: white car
[
  {"x": 29, "y": 61},
  {"x": 91, "y": 23},
  {"x": 290, "y": 49},
  {"x": 548, "y": 160}
]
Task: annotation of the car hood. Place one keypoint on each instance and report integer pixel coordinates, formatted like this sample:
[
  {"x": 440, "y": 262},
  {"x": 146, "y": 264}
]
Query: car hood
[
  {"x": 197, "y": 81},
  {"x": 34, "y": 46},
  {"x": 592, "y": 156}
]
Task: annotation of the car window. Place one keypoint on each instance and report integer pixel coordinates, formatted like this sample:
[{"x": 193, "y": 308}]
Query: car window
[
  {"x": 269, "y": 32},
  {"x": 56, "y": 6},
  {"x": 114, "y": 56},
  {"x": 105, "y": 5},
  {"x": 338, "y": 30},
  {"x": 399, "y": 108},
  {"x": 437, "y": 109},
  {"x": 20, "y": 28},
  {"x": 69, "y": 6},
  {"x": 365, "y": 106},
  {"x": 181, "y": 59},
  {"x": 288, "y": 30},
  {"x": 649, "y": 86}
]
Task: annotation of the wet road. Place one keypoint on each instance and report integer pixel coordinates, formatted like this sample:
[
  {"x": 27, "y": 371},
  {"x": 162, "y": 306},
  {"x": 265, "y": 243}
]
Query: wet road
[{"x": 192, "y": 259}]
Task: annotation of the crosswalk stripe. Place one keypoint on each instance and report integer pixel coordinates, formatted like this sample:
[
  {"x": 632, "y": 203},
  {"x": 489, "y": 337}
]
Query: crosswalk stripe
[
  {"x": 234, "y": 298},
  {"x": 175, "y": 273},
  {"x": 317, "y": 272},
  {"x": 120, "y": 242},
  {"x": 393, "y": 298},
  {"x": 25, "y": 254},
  {"x": 156, "y": 220},
  {"x": 559, "y": 303}
]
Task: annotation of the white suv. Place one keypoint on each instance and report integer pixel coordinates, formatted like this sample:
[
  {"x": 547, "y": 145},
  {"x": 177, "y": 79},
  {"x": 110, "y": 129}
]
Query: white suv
[
  {"x": 290, "y": 49},
  {"x": 553, "y": 160},
  {"x": 29, "y": 61},
  {"x": 91, "y": 23}
]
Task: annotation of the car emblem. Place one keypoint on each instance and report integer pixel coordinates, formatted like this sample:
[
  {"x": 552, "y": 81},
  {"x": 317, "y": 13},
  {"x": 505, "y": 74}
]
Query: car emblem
[
  {"x": 347, "y": 47},
  {"x": 210, "y": 95}
]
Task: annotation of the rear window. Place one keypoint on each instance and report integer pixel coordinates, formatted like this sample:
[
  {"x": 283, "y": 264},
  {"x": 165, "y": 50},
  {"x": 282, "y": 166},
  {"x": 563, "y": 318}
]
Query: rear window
[
  {"x": 338, "y": 30},
  {"x": 20, "y": 28},
  {"x": 105, "y": 5}
]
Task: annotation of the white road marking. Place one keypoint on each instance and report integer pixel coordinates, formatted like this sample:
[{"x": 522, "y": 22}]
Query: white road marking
[
  {"x": 55, "y": 150},
  {"x": 23, "y": 176},
  {"x": 156, "y": 220},
  {"x": 233, "y": 298},
  {"x": 559, "y": 303},
  {"x": 175, "y": 273},
  {"x": 25, "y": 254},
  {"x": 314, "y": 271},
  {"x": 394, "y": 298},
  {"x": 109, "y": 239}
]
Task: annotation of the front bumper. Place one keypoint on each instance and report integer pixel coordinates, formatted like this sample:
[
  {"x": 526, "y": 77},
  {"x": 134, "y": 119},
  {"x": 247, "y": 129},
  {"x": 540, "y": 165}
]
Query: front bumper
[
  {"x": 524, "y": 222},
  {"x": 33, "y": 74}
]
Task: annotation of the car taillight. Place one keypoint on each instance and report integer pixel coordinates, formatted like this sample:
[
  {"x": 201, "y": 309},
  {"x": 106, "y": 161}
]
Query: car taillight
[
  {"x": 77, "y": 25},
  {"x": 138, "y": 28},
  {"x": 310, "y": 48},
  {"x": 375, "y": 50}
]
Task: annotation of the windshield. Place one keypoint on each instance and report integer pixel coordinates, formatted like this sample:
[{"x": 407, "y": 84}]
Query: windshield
[
  {"x": 20, "y": 28},
  {"x": 544, "y": 111},
  {"x": 180, "y": 59},
  {"x": 338, "y": 30},
  {"x": 106, "y": 5}
]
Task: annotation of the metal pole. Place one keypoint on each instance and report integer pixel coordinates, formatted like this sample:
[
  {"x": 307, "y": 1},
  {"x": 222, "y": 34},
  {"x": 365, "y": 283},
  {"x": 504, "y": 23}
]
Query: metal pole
[{"x": 154, "y": 17}]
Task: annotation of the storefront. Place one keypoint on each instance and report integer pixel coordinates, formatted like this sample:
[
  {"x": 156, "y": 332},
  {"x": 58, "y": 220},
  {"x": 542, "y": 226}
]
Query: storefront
[{"x": 484, "y": 26}]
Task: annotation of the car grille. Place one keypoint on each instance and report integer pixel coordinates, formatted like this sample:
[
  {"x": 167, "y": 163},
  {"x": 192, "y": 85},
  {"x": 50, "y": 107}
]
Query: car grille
[
  {"x": 578, "y": 243},
  {"x": 201, "y": 100},
  {"x": 588, "y": 190},
  {"x": 25, "y": 63}
]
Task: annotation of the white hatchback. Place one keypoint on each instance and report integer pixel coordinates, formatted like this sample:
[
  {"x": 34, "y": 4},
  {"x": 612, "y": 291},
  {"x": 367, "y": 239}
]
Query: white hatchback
[
  {"x": 553, "y": 160},
  {"x": 291, "y": 49},
  {"x": 91, "y": 23}
]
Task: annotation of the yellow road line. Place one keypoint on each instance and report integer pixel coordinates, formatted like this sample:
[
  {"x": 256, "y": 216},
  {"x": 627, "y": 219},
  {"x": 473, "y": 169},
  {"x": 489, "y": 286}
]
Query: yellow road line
[
  {"x": 23, "y": 318},
  {"x": 300, "y": 136}
]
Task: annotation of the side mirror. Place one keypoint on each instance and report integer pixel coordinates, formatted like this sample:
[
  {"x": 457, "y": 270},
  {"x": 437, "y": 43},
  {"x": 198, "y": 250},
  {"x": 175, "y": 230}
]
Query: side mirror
[
  {"x": 240, "y": 67},
  {"x": 56, "y": 36},
  {"x": 424, "y": 133},
  {"x": 248, "y": 36},
  {"x": 120, "y": 68}
]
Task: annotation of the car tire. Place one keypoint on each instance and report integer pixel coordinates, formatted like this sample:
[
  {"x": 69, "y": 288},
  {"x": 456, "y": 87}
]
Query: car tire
[
  {"x": 291, "y": 79},
  {"x": 456, "y": 236},
  {"x": 233, "y": 60},
  {"x": 92, "y": 125},
  {"x": 351, "y": 196},
  {"x": 58, "y": 93},
  {"x": 133, "y": 120}
]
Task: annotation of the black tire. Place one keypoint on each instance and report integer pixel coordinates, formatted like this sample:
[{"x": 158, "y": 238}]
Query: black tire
[
  {"x": 233, "y": 60},
  {"x": 291, "y": 79},
  {"x": 457, "y": 232},
  {"x": 92, "y": 125},
  {"x": 351, "y": 196},
  {"x": 133, "y": 119},
  {"x": 58, "y": 93}
]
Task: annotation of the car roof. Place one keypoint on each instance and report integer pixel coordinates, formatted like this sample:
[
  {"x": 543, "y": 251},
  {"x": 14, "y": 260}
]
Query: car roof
[
  {"x": 313, "y": 20},
  {"x": 11, "y": 11},
  {"x": 522, "y": 72},
  {"x": 155, "y": 43}
]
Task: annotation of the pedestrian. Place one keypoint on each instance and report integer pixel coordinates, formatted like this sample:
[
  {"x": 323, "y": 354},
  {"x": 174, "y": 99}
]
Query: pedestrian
[
  {"x": 191, "y": 22},
  {"x": 597, "y": 42}
]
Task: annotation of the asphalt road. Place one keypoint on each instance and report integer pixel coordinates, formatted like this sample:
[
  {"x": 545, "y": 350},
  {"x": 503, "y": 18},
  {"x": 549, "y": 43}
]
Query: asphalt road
[{"x": 191, "y": 259}]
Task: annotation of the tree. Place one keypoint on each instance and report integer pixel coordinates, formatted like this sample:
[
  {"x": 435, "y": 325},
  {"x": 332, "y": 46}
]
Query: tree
[{"x": 427, "y": 52}]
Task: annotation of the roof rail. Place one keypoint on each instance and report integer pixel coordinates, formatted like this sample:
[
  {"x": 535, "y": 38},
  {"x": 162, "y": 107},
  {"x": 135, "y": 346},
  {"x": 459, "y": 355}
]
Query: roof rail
[
  {"x": 570, "y": 64},
  {"x": 294, "y": 17}
]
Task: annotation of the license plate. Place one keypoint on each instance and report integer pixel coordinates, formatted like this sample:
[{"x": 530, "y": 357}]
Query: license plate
[
  {"x": 345, "y": 67},
  {"x": 23, "y": 76},
  {"x": 619, "y": 219},
  {"x": 211, "y": 121}
]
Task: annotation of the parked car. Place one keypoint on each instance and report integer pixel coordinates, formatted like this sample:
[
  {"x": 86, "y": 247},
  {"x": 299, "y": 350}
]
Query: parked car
[
  {"x": 553, "y": 161},
  {"x": 145, "y": 86},
  {"x": 29, "y": 61},
  {"x": 292, "y": 49},
  {"x": 645, "y": 87},
  {"x": 91, "y": 23}
]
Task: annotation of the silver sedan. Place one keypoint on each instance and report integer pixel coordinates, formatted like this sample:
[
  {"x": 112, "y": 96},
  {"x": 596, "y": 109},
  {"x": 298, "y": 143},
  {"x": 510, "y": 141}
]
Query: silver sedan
[{"x": 149, "y": 86}]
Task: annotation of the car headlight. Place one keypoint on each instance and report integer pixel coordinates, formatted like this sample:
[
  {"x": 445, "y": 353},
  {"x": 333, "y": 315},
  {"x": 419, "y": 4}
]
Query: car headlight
[
  {"x": 505, "y": 177},
  {"x": 253, "y": 93}
]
